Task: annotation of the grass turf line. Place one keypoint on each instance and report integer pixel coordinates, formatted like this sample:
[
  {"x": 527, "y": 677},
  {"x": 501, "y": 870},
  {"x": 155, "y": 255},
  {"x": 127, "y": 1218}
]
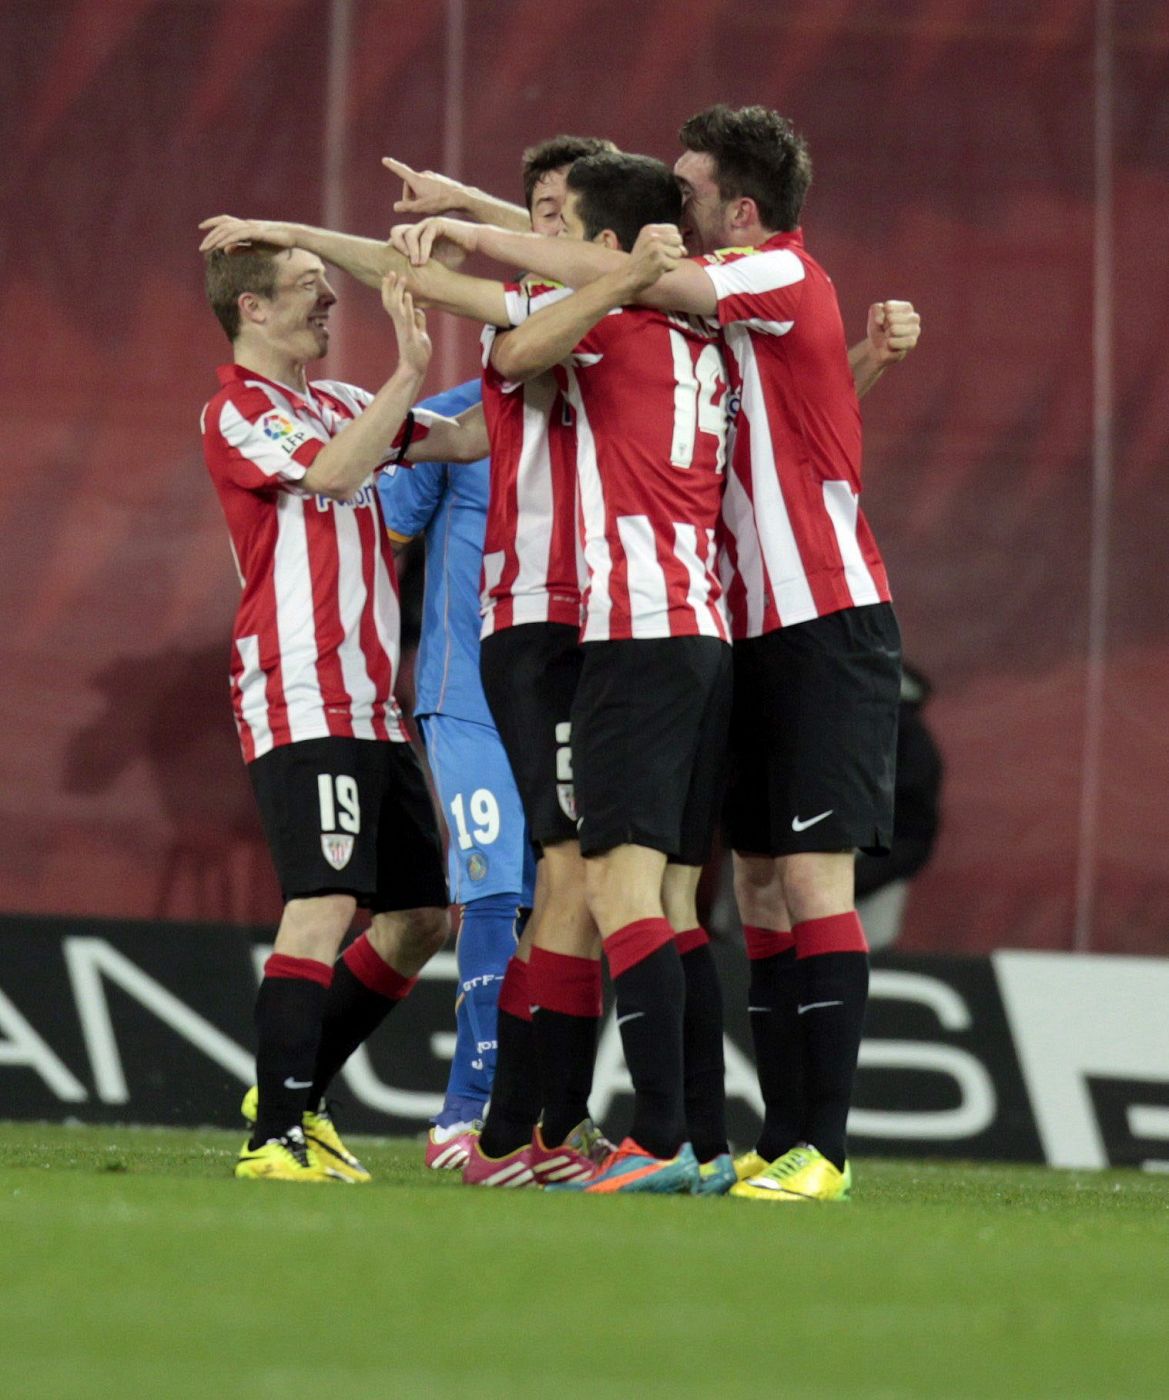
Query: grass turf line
[{"x": 138, "y": 1267}]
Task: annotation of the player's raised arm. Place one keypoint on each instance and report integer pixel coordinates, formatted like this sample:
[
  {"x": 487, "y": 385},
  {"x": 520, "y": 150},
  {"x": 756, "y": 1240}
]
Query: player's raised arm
[
  {"x": 684, "y": 287},
  {"x": 442, "y": 289},
  {"x": 549, "y": 336},
  {"x": 366, "y": 259},
  {"x": 426, "y": 192},
  {"x": 359, "y": 448},
  {"x": 894, "y": 328}
]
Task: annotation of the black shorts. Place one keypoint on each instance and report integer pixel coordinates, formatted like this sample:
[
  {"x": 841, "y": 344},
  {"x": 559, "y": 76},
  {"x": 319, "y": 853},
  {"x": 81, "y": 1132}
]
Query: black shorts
[
  {"x": 351, "y": 816},
  {"x": 814, "y": 735},
  {"x": 649, "y": 729},
  {"x": 530, "y": 673}
]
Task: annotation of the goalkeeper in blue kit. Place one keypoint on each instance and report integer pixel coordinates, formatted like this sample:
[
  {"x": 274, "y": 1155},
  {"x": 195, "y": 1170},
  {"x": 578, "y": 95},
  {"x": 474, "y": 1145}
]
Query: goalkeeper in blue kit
[{"x": 490, "y": 859}]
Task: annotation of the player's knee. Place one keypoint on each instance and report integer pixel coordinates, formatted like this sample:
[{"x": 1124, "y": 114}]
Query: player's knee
[
  {"x": 817, "y": 884},
  {"x": 426, "y": 931},
  {"x": 758, "y": 892},
  {"x": 409, "y": 938},
  {"x": 563, "y": 872},
  {"x": 314, "y": 927}
]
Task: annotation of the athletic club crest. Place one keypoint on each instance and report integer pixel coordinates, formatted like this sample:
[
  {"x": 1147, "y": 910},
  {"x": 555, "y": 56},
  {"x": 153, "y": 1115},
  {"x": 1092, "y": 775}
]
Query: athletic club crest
[
  {"x": 566, "y": 796},
  {"x": 337, "y": 848}
]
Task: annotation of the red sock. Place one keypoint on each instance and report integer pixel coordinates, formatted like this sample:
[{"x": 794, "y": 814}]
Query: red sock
[
  {"x": 635, "y": 942},
  {"x": 513, "y": 991},
  {"x": 688, "y": 939},
  {"x": 372, "y": 970},
  {"x": 306, "y": 969},
  {"x": 561, "y": 982},
  {"x": 766, "y": 942},
  {"x": 838, "y": 933}
]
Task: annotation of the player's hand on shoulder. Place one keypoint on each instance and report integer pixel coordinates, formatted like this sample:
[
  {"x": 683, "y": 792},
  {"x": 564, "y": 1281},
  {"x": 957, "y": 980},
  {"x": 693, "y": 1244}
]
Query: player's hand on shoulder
[
  {"x": 225, "y": 231},
  {"x": 894, "y": 328},
  {"x": 659, "y": 249},
  {"x": 425, "y": 191},
  {"x": 414, "y": 348}
]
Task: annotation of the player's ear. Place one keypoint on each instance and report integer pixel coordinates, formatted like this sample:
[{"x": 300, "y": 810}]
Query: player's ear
[
  {"x": 608, "y": 239},
  {"x": 251, "y": 308},
  {"x": 744, "y": 212}
]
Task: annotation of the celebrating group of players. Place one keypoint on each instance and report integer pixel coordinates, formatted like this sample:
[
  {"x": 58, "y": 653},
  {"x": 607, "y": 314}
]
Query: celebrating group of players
[{"x": 684, "y": 614}]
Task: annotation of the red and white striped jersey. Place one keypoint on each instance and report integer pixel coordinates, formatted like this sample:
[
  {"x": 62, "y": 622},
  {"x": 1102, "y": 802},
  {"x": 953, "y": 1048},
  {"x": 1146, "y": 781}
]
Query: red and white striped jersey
[
  {"x": 315, "y": 641},
  {"x": 649, "y": 391},
  {"x": 796, "y": 545},
  {"x": 532, "y": 571}
]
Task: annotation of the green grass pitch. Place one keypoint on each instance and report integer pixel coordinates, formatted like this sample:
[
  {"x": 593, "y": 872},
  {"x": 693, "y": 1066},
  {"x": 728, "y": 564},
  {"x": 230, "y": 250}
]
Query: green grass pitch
[{"x": 136, "y": 1267}]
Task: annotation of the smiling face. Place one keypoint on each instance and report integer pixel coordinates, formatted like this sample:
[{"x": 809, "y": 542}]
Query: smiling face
[
  {"x": 548, "y": 200},
  {"x": 293, "y": 321},
  {"x": 705, "y": 216}
]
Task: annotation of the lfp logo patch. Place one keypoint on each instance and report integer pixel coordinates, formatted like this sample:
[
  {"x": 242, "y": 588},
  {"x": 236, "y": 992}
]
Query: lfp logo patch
[{"x": 276, "y": 426}]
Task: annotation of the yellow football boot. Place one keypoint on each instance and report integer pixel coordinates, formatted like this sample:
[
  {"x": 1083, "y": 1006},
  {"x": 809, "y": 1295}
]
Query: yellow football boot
[
  {"x": 325, "y": 1147},
  {"x": 803, "y": 1174},
  {"x": 749, "y": 1164},
  {"x": 281, "y": 1159},
  {"x": 324, "y": 1143}
]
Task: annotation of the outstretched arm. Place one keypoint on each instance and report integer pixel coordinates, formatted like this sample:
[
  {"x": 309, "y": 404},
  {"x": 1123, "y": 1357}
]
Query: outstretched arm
[
  {"x": 894, "y": 328},
  {"x": 477, "y": 298},
  {"x": 363, "y": 258},
  {"x": 549, "y": 336},
  {"x": 685, "y": 287},
  {"x": 433, "y": 285},
  {"x": 427, "y": 192},
  {"x": 459, "y": 439}
]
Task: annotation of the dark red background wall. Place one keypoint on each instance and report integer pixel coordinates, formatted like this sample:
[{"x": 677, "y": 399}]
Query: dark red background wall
[{"x": 1005, "y": 165}]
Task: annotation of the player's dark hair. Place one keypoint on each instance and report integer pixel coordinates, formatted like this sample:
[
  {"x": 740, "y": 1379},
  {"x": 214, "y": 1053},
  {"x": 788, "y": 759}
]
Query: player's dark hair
[
  {"x": 249, "y": 268},
  {"x": 624, "y": 193},
  {"x": 554, "y": 153},
  {"x": 757, "y": 155}
]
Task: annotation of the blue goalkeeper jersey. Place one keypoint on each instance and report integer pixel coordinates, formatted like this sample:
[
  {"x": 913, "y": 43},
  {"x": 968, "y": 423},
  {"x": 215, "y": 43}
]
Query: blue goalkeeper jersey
[{"x": 448, "y": 503}]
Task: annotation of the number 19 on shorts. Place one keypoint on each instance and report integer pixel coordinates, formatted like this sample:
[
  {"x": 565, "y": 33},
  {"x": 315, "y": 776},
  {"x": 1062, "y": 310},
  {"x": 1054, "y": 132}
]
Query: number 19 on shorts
[{"x": 483, "y": 811}]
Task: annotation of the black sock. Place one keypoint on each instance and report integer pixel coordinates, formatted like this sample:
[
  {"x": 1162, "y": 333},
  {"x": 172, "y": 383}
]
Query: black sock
[
  {"x": 704, "y": 1072},
  {"x": 565, "y": 1049},
  {"x": 515, "y": 1091},
  {"x": 651, "y": 999},
  {"x": 288, "y": 1029},
  {"x": 773, "y": 1001},
  {"x": 834, "y": 989},
  {"x": 352, "y": 1013}
]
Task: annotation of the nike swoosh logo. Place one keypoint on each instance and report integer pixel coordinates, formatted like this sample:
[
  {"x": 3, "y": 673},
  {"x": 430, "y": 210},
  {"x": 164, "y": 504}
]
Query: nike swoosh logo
[
  {"x": 633, "y": 1015},
  {"x": 291, "y": 1083},
  {"x": 798, "y": 825},
  {"x": 815, "y": 1005}
]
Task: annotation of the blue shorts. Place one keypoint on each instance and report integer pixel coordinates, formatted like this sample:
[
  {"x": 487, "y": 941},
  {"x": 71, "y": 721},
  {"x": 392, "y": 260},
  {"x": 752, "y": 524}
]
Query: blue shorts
[{"x": 489, "y": 851}]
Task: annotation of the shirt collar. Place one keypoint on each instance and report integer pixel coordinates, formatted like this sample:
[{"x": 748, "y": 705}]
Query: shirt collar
[
  {"x": 238, "y": 374},
  {"x": 793, "y": 238}
]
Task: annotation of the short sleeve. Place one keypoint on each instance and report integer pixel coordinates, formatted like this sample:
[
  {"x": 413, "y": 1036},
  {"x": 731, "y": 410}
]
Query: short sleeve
[
  {"x": 264, "y": 446},
  {"x": 524, "y": 299},
  {"x": 763, "y": 288}
]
